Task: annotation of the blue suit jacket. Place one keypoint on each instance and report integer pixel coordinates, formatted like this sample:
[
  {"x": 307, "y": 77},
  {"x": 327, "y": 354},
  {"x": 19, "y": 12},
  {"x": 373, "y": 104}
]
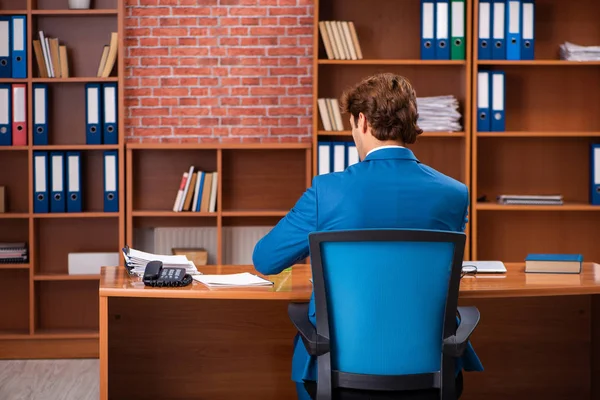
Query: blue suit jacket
[{"x": 389, "y": 189}]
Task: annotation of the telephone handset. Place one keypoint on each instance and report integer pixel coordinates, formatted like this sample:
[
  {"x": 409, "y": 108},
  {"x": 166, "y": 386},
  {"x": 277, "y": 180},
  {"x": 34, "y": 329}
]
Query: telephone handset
[{"x": 156, "y": 275}]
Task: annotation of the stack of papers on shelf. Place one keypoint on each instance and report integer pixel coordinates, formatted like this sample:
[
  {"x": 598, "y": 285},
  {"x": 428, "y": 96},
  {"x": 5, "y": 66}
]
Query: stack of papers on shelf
[
  {"x": 232, "y": 280},
  {"x": 13, "y": 253},
  {"x": 439, "y": 113},
  {"x": 573, "y": 52},
  {"x": 543, "y": 200},
  {"x": 136, "y": 261}
]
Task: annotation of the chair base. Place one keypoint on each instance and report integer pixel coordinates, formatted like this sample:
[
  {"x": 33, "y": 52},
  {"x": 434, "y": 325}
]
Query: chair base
[{"x": 349, "y": 394}]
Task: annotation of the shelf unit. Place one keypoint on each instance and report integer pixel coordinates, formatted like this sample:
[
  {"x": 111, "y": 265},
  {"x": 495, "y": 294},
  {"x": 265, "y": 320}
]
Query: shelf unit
[
  {"x": 379, "y": 24},
  {"x": 53, "y": 314},
  {"x": 551, "y": 120},
  {"x": 257, "y": 185}
]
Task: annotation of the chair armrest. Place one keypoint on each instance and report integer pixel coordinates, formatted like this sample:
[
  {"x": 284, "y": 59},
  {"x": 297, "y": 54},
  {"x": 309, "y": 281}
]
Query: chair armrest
[
  {"x": 316, "y": 345},
  {"x": 456, "y": 344}
]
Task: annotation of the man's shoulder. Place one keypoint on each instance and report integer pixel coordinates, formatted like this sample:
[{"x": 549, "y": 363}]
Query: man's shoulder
[{"x": 447, "y": 181}]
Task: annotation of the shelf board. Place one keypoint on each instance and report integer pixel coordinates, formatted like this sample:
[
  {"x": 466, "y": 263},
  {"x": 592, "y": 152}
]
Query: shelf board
[
  {"x": 257, "y": 213},
  {"x": 391, "y": 62},
  {"x": 564, "y": 207},
  {"x": 65, "y": 277},
  {"x": 215, "y": 146},
  {"x": 75, "y": 80},
  {"x": 107, "y": 11},
  {"x": 77, "y": 147},
  {"x": 191, "y": 214},
  {"x": 14, "y": 334},
  {"x": 424, "y": 134},
  {"x": 77, "y": 215},
  {"x": 14, "y": 266},
  {"x": 13, "y": 148},
  {"x": 13, "y": 215},
  {"x": 13, "y": 80},
  {"x": 13, "y": 12},
  {"x": 538, "y": 62},
  {"x": 538, "y": 134},
  {"x": 66, "y": 334}
]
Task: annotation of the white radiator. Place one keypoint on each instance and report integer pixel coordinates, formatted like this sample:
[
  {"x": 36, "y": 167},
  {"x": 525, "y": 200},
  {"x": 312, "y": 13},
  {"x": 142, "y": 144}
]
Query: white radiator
[{"x": 238, "y": 241}]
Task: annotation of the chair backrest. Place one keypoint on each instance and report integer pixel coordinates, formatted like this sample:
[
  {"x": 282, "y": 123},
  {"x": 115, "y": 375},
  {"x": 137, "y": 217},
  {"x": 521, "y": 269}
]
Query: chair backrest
[{"x": 386, "y": 299}]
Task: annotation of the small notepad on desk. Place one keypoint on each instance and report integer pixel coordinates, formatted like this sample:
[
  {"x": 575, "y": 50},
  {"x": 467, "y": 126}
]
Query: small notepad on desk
[
  {"x": 554, "y": 263},
  {"x": 244, "y": 279}
]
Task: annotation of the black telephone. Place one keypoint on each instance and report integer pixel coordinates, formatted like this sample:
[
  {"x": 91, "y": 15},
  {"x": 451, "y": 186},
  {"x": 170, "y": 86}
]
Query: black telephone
[{"x": 156, "y": 275}]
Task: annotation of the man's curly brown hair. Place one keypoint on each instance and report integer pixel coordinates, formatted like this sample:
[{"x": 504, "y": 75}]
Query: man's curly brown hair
[{"x": 389, "y": 103}]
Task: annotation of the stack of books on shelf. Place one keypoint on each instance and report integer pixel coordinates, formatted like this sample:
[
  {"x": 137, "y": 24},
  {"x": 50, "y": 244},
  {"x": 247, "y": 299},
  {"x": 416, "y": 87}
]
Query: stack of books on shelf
[
  {"x": 439, "y": 113},
  {"x": 340, "y": 40},
  {"x": 197, "y": 192},
  {"x": 331, "y": 118},
  {"x": 109, "y": 56},
  {"x": 538, "y": 200},
  {"x": 13, "y": 253},
  {"x": 136, "y": 261},
  {"x": 573, "y": 52},
  {"x": 51, "y": 57}
]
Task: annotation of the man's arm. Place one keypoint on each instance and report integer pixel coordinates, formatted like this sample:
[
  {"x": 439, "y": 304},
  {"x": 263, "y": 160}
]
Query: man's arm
[
  {"x": 287, "y": 242},
  {"x": 466, "y": 213}
]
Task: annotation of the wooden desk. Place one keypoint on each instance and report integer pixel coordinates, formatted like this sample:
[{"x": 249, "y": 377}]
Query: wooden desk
[{"x": 535, "y": 338}]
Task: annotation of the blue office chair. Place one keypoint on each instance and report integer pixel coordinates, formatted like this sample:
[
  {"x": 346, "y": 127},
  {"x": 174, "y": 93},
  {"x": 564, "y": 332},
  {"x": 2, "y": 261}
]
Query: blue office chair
[{"x": 386, "y": 313}]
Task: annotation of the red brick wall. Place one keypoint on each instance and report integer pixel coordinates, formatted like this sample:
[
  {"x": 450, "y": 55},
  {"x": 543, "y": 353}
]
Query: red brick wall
[{"x": 218, "y": 70}]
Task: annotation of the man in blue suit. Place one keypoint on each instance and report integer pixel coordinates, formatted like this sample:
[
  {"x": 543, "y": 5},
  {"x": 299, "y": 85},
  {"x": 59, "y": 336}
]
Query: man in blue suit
[{"x": 389, "y": 188}]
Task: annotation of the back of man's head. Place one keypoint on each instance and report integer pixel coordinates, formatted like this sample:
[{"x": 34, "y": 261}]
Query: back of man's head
[{"x": 388, "y": 103}]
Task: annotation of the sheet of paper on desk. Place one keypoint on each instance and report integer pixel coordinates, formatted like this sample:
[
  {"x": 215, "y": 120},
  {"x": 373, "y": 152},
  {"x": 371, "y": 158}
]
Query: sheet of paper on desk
[{"x": 232, "y": 280}]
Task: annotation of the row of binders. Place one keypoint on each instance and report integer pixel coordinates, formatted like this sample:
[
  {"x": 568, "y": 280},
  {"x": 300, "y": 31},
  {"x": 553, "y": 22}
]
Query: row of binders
[
  {"x": 340, "y": 40},
  {"x": 14, "y": 253},
  {"x": 197, "y": 192},
  {"x": 506, "y": 30},
  {"x": 336, "y": 156},
  {"x": 51, "y": 57},
  {"x": 58, "y": 186},
  {"x": 13, "y": 114},
  {"x": 101, "y": 114},
  {"x": 443, "y": 29},
  {"x": 491, "y": 102},
  {"x": 331, "y": 118},
  {"x": 13, "y": 52}
]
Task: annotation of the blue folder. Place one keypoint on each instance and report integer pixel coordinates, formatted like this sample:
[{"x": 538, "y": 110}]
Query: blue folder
[
  {"x": 498, "y": 17},
  {"x": 483, "y": 101},
  {"x": 93, "y": 106},
  {"x": 498, "y": 94},
  {"x": 528, "y": 30},
  {"x": 513, "y": 30},
  {"x": 484, "y": 38},
  {"x": 57, "y": 182},
  {"x": 110, "y": 113},
  {"x": 595, "y": 174},
  {"x": 18, "y": 46},
  {"x": 74, "y": 197},
  {"x": 442, "y": 30},
  {"x": 5, "y": 46},
  {"x": 40, "y": 114},
  {"x": 41, "y": 202},
  {"x": 111, "y": 181},
  {"x": 428, "y": 29},
  {"x": 5, "y": 114}
]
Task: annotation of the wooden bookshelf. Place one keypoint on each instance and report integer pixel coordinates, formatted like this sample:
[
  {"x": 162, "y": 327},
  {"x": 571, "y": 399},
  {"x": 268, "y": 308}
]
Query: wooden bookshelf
[
  {"x": 551, "y": 120},
  {"x": 53, "y": 314},
  {"x": 379, "y": 25},
  {"x": 257, "y": 185}
]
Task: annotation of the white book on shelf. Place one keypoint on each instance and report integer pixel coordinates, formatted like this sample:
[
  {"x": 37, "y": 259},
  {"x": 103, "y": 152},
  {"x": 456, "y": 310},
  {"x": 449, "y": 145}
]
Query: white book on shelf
[
  {"x": 348, "y": 39},
  {"x": 324, "y": 114},
  {"x": 187, "y": 187},
  {"x": 213, "y": 194}
]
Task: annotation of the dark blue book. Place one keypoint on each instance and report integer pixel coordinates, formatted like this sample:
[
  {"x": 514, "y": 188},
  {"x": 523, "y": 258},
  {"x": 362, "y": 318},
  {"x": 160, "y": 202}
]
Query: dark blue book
[{"x": 554, "y": 263}]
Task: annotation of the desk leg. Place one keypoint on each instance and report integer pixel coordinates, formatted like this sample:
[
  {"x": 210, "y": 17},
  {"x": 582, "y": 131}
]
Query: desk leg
[{"x": 103, "y": 348}]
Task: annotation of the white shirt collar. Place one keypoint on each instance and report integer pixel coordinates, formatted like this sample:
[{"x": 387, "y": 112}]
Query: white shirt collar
[{"x": 391, "y": 146}]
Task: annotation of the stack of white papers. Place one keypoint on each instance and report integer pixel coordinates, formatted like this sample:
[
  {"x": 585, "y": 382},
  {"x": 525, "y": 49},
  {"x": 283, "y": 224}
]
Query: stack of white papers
[
  {"x": 541, "y": 200},
  {"x": 137, "y": 260},
  {"x": 439, "y": 113},
  {"x": 232, "y": 280},
  {"x": 573, "y": 52}
]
